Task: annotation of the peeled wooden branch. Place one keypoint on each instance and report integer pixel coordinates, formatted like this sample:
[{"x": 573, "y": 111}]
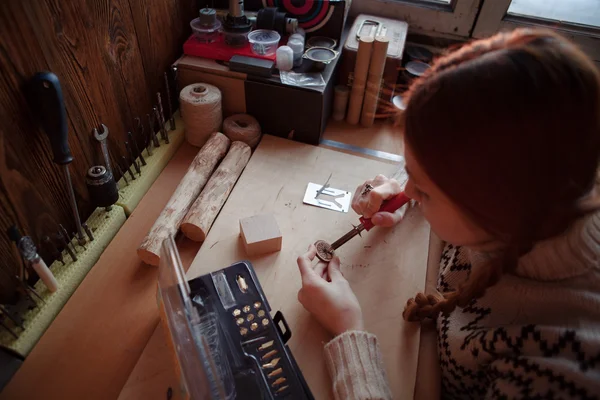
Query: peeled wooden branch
[
  {"x": 187, "y": 191},
  {"x": 203, "y": 212}
]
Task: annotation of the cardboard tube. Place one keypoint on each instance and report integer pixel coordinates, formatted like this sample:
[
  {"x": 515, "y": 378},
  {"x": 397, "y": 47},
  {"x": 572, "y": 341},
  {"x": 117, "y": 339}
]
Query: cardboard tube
[
  {"x": 361, "y": 68},
  {"x": 376, "y": 68},
  {"x": 340, "y": 102}
]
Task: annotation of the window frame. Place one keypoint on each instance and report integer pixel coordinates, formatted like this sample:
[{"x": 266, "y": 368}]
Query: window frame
[
  {"x": 456, "y": 18},
  {"x": 494, "y": 17}
]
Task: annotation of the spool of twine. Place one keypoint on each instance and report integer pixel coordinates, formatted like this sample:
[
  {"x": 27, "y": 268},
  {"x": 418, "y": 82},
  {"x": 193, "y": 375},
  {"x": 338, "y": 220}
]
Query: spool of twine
[
  {"x": 201, "y": 112},
  {"x": 243, "y": 128}
]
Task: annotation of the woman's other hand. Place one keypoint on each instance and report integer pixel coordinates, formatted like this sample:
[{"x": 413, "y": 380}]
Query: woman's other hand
[
  {"x": 327, "y": 295},
  {"x": 370, "y": 195}
]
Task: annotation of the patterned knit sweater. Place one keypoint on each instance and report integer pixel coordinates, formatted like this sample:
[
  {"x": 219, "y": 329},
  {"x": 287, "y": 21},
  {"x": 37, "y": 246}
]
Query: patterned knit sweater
[{"x": 535, "y": 334}]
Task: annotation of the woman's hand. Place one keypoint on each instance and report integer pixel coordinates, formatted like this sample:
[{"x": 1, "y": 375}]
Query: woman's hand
[
  {"x": 368, "y": 202},
  {"x": 327, "y": 295}
]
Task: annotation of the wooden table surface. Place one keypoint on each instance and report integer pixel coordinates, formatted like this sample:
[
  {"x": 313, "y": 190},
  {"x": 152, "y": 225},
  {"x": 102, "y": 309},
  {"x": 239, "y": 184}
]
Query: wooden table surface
[
  {"x": 382, "y": 266},
  {"x": 105, "y": 344}
]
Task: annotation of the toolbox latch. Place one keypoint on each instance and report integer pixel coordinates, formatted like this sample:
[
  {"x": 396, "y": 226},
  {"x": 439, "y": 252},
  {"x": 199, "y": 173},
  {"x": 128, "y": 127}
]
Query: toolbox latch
[{"x": 285, "y": 334}]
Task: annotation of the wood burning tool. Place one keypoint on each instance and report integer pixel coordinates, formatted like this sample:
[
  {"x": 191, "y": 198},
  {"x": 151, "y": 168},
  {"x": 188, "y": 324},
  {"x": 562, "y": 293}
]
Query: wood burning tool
[
  {"x": 326, "y": 251},
  {"x": 46, "y": 95}
]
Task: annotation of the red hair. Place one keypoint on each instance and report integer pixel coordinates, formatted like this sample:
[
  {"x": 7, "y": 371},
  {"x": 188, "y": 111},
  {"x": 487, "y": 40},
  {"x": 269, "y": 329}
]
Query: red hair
[{"x": 509, "y": 128}]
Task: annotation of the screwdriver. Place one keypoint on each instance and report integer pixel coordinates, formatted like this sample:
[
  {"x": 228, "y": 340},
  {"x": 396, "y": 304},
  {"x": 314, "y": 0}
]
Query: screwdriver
[
  {"x": 47, "y": 99},
  {"x": 325, "y": 250}
]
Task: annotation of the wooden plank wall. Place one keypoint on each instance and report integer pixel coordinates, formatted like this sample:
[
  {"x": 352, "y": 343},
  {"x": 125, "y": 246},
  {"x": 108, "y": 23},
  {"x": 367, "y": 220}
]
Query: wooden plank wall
[{"x": 110, "y": 56}]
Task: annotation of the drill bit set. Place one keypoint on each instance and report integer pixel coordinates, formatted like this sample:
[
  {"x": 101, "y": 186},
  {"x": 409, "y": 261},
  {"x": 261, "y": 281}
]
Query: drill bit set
[
  {"x": 151, "y": 143},
  {"x": 222, "y": 322},
  {"x": 75, "y": 253},
  {"x": 100, "y": 179}
]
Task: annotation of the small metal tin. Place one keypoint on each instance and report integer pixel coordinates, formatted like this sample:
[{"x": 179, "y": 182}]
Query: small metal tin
[
  {"x": 415, "y": 69},
  {"x": 320, "y": 56},
  {"x": 321, "y": 41},
  {"x": 418, "y": 53}
]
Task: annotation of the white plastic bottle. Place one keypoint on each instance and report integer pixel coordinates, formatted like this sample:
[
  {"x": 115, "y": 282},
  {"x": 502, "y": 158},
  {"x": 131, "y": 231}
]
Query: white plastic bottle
[{"x": 285, "y": 58}]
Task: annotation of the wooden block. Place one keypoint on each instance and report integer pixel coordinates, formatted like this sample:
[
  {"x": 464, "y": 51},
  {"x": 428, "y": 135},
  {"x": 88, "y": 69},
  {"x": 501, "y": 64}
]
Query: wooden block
[{"x": 260, "y": 234}]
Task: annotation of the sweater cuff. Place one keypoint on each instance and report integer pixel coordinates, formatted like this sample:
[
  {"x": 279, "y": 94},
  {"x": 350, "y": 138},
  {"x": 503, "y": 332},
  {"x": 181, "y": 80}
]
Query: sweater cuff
[{"x": 356, "y": 367}]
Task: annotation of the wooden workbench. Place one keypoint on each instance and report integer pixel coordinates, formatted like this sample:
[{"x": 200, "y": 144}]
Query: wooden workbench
[
  {"x": 382, "y": 266},
  {"x": 105, "y": 344}
]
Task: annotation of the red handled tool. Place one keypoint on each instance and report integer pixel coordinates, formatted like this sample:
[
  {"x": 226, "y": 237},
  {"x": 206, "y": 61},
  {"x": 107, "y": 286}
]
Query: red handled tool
[{"x": 325, "y": 250}]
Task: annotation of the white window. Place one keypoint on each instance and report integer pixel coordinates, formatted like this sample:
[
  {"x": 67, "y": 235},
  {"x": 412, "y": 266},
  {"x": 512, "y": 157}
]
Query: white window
[
  {"x": 455, "y": 17},
  {"x": 578, "y": 20}
]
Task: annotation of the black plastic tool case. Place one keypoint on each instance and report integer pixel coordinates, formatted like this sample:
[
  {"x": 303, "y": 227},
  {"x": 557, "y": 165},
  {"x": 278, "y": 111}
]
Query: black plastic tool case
[
  {"x": 226, "y": 342},
  {"x": 245, "y": 358}
]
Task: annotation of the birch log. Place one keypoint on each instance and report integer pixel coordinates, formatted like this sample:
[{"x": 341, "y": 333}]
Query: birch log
[
  {"x": 203, "y": 212},
  {"x": 187, "y": 191}
]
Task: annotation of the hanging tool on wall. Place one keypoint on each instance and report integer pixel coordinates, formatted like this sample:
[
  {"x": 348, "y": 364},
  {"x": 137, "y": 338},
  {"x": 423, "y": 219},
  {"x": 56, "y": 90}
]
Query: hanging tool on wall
[
  {"x": 101, "y": 137},
  {"x": 88, "y": 232},
  {"x": 128, "y": 167},
  {"x": 53, "y": 250},
  {"x": 103, "y": 189},
  {"x": 100, "y": 180},
  {"x": 139, "y": 126},
  {"x": 169, "y": 100},
  {"x": 135, "y": 146},
  {"x": 150, "y": 118},
  {"x": 132, "y": 159},
  {"x": 161, "y": 122},
  {"x": 326, "y": 251},
  {"x": 29, "y": 252},
  {"x": 60, "y": 237},
  {"x": 67, "y": 241},
  {"x": 47, "y": 98}
]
